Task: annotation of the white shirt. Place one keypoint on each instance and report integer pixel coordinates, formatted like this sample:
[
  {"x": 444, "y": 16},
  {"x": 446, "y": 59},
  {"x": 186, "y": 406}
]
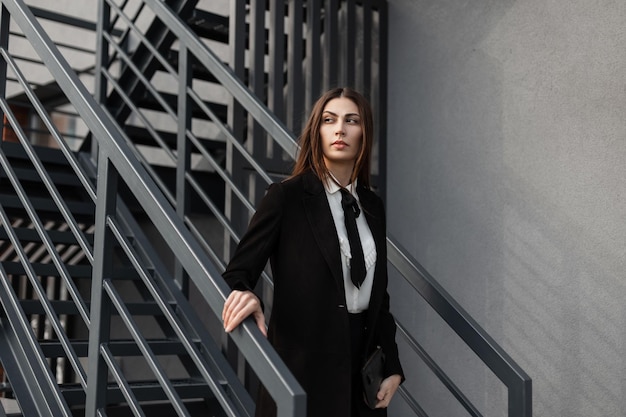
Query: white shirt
[{"x": 357, "y": 300}]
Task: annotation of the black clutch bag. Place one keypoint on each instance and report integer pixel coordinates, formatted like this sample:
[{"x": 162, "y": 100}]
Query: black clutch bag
[{"x": 372, "y": 375}]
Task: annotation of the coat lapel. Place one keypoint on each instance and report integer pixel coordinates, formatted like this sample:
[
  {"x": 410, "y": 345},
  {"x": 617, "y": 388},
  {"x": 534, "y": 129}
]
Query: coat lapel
[{"x": 322, "y": 224}]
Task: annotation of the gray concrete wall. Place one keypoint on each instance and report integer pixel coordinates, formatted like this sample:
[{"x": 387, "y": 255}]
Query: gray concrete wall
[{"x": 507, "y": 181}]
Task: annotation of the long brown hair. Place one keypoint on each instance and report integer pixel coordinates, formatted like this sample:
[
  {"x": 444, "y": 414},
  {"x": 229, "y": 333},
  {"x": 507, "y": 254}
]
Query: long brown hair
[{"x": 311, "y": 155}]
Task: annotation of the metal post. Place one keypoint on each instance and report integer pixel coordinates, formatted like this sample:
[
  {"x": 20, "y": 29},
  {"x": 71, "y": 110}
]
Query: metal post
[
  {"x": 102, "y": 59},
  {"x": 295, "y": 90},
  {"x": 331, "y": 50},
  {"x": 100, "y": 311},
  {"x": 313, "y": 53},
  {"x": 5, "y": 19},
  {"x": 184, "y": 151}
]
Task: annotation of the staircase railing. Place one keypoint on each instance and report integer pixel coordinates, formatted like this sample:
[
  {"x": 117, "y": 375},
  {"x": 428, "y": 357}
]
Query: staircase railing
[
  {"x": 193, "y": 51},
  {"x": 117, "y": 166},
  {"x": 117, "y": 163},
  {"x": 517, "y": 382}
]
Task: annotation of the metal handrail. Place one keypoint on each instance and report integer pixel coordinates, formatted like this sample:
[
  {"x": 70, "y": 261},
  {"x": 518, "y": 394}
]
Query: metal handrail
[
  {"x": 492, "y": 354},
  {"x": 226, "y": 77},
  {"x": 516, "y": 380},
  {"x": 281, "y": 384},
  {"x": 155, "y": 204}
]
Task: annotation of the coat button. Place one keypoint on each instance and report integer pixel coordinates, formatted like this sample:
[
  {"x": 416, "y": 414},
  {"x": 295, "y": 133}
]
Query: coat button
[{"x": 341, "y": 306}]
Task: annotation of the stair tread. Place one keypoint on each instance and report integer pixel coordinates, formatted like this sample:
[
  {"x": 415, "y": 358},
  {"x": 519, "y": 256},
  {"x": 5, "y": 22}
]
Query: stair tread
[
  {"x": 121, "y": 347},
  {"x": 142, "y": 136},
  {"x": 47, "y": 205},
  {"x": 41, "y": 269},
  {"x": 146, "y": 390},
  {"x": 146, "y": 308},
  {"x": 209, "y": 25},
  {"x": 148, "y": 102},
  {"x": 57, "y": 236}
]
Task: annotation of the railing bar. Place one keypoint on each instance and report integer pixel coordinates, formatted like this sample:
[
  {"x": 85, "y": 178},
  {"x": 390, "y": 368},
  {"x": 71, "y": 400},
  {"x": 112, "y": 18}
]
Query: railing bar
[
  {"x": 379, "y": 95},
  {"x": 223, "y": 221},
  {"x": 41, "y": 293},
  {"x": 229, "y": 136},
  {"x": 43, "y": 174},
  {"x": 61, "y": 18},
  {"x": 27, "y": 59},
  {"x": 167, "y": 310},
  {"x": 155, "y": 135},
  {"x": 16, "y": 316},
  {"x": 464, "y": 325},
  {"x": 350, "y": 37},
  {"x": 131, "y": 400},
  {"x": 164, "y": 189},
  {"x": 67, "y": 152},
  {"x": 313, "y": 53},
  {"x": 220, "y": 171},
  {"x": 137, "y": 32},
  {"x": 143, "y": 345},
  {"x": 52, "y": 189},
  {"x": 147, "y": 84},
  {"x": 408, "y": 398},
  {"x": 23, "y": 196},
  {"x": 44, "y": 131},
  {"x": 331, "y": 60},
  {"x": 191, "y": 322},
  {"x": 214, "y": 209},
  {"x": 441, "y": 375},
  {"x": 225, "y": 76},
  {"x": 275, "y": 96},
  {"x": 275, "y": 376},
  {"x": 134, "y": 19},
  {"x": 294, "y": 65}
]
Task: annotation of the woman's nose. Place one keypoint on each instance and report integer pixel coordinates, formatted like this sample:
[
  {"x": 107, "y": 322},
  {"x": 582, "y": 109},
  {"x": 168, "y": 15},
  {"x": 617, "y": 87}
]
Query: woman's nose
[{"x": 339, "y": 130}]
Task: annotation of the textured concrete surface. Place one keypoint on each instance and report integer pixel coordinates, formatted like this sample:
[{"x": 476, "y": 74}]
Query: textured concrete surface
[{"x": 507, "y": 181}]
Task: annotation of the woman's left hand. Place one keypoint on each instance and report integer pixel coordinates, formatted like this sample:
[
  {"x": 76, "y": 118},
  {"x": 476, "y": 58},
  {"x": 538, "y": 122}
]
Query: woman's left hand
[{"x": 387, "y": 389}]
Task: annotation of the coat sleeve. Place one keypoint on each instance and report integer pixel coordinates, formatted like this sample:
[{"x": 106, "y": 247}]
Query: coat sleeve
[{"x": 257, "y": 244}]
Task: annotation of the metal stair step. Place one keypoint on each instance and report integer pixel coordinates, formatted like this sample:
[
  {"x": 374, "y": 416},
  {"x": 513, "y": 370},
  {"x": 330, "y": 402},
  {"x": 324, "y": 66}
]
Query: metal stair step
[
  {"x": 58, "y": 178},
  {"x": 54, "y": 349},
  {"x": 143, "y": 390},
  {"x": 76, "y": 271},
  {"x": 209, "y": 25},
  {"x": 142, "y": 136},
  {"x": 48, "y": 270},
  {"x": 59, "y": 237},
  {"x": 148, "y": 102},
  {"x": 146, "y": 308},
  {"x": 47, "y": 209}
]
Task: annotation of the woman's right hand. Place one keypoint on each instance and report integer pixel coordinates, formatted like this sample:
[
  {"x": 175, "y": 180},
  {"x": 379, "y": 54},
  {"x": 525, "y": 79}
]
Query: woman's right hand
[{"x": 238, "y": 306}]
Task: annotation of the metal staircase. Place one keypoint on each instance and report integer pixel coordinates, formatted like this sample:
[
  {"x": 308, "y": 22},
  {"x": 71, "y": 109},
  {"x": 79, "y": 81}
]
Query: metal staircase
[{"x": 117, "y": 224}]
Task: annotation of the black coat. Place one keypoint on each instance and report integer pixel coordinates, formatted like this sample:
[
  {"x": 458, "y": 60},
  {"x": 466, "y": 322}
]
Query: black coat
[{"x": 293, "y": 228}]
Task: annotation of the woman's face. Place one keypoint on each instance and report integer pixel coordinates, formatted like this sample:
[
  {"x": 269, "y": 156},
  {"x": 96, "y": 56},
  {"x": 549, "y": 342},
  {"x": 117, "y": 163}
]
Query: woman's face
[{"x": 341, "y": 132}]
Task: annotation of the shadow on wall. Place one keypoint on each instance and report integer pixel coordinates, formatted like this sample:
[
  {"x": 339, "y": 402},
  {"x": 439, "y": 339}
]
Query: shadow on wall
[{"x": 541, "y": 270}]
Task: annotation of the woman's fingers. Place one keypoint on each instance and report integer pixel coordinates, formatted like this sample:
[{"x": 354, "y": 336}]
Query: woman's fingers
[
  {"x": 238, "y": 306},
  {"x": 387, "y": 390}
]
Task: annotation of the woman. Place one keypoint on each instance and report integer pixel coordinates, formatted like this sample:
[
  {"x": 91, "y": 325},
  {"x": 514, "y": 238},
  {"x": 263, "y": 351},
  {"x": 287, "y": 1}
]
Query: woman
[{"x": 323, "y": 325}]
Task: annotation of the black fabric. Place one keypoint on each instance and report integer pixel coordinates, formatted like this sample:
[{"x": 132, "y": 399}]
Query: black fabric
[
  {"x": 357, "y": 333},
  {"x": 309, "y": 326},
  {"x": 351, "y": 212}
]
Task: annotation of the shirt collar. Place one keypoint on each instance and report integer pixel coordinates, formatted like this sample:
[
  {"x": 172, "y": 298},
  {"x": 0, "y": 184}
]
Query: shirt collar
[{"x": 332, "y": 185}]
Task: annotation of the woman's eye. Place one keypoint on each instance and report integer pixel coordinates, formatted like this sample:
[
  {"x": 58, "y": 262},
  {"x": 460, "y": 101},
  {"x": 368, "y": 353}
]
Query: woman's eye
[
  {"x": 353, "y": 121},
  {"x": 328, "y": 120}
]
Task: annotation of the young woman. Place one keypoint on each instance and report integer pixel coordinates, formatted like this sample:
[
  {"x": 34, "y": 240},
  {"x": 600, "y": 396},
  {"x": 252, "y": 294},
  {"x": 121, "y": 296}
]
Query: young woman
[{"x": 323, "y": 324}]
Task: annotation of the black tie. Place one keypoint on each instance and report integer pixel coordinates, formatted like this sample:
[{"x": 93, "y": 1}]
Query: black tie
[{"x": 351, "y": 212}]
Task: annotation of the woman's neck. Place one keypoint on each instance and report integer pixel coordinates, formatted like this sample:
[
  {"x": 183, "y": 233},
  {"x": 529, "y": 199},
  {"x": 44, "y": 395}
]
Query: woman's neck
[{"x": 341, "y": 175}]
